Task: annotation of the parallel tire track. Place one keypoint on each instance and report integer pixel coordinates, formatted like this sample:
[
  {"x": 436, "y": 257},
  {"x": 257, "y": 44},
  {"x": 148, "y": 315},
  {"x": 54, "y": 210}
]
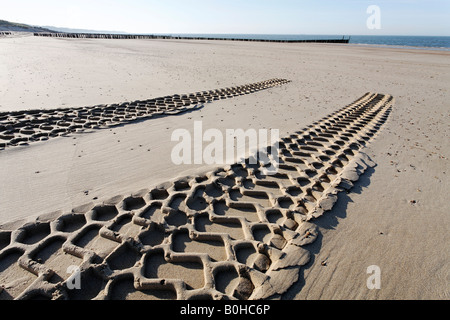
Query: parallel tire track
[
  {"x": 233, "y": 233},
  {"x": 27, "y": 126}
]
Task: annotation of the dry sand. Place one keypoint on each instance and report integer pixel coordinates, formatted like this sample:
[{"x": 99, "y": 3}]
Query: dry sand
[{"x": 396, "y": 216}]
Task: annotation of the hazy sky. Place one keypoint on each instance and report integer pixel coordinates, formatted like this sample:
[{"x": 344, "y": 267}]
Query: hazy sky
[{"x": 342, "y": 17}]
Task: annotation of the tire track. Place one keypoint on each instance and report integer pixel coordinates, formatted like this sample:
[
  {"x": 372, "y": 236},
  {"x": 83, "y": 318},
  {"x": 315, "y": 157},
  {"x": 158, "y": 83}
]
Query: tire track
[
  {"x": 28, "y": 126},
  {"x": 233, "y": 233}
]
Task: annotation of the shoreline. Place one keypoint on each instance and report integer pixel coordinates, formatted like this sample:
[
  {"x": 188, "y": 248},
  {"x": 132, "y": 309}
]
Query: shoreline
[
  {"x": 389, "y": 46},
  {"x": 336, "y": 39}
]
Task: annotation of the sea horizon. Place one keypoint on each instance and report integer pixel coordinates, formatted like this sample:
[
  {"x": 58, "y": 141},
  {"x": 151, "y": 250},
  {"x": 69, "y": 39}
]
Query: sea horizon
[{"x": 413, "y": 41}]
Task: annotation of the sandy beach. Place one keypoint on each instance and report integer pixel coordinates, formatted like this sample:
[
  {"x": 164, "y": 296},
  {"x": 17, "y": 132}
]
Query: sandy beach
[{"x": 371, "y": 125}]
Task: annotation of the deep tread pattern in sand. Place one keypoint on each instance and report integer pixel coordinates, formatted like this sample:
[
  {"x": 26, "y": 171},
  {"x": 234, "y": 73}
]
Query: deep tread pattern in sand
[
  {"x": 233, "y": 233},
  {"x": 24, "y": 127}
]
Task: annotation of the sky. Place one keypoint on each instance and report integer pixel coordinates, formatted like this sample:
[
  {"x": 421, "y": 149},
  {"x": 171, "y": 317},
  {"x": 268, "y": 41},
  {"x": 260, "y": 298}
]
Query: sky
[{"x": 340, "y": 17}]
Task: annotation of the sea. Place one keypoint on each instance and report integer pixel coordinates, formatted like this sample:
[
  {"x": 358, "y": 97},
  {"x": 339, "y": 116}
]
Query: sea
[{"x": 416, "y": 42}]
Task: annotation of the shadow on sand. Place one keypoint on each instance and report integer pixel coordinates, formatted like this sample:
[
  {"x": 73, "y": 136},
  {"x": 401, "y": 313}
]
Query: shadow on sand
[{"x": 329, "y": 221}]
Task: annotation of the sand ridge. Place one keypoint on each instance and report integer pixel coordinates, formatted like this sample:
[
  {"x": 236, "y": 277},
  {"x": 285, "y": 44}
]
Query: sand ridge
[{"x": 232, "y": 233}]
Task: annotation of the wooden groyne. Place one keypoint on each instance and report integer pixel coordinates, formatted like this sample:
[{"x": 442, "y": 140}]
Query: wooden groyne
[{"x": 136, "y": 36}]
